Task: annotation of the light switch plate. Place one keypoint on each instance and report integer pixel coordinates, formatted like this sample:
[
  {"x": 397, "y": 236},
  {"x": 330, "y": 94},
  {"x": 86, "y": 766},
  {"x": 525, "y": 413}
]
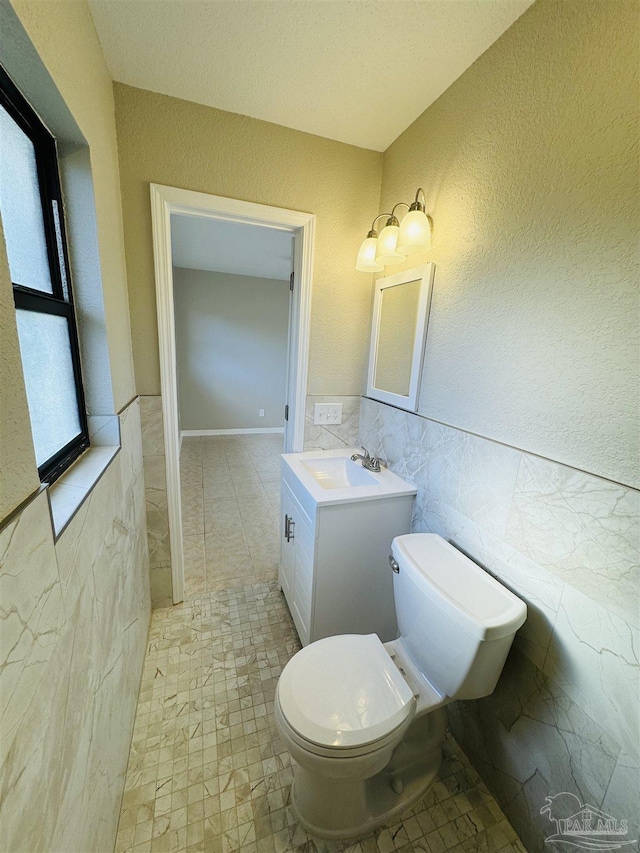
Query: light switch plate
[{"x": 327, "y": 413}]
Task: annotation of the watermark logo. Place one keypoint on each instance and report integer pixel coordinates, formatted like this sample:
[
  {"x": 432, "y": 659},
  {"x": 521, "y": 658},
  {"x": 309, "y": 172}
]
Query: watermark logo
[{"x": 583, "y": 826}]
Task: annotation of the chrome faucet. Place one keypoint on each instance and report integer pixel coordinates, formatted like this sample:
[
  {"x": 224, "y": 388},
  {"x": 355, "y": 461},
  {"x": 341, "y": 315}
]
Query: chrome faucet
[{"x": 371, "y": 463}]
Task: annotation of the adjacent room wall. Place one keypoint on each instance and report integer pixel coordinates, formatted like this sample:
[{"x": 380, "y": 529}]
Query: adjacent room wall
[
  {"x": 195, "y": 147},
  {"x": 530, "y": 165},
  {"x": 231, "y": 349}
]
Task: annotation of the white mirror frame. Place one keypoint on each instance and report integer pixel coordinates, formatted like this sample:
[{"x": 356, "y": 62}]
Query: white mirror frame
[{"x": 425, "y": 275}]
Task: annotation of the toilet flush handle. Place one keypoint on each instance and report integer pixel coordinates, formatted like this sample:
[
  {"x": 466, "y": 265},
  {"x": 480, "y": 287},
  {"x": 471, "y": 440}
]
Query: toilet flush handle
[{"x": 394, "y": 565}]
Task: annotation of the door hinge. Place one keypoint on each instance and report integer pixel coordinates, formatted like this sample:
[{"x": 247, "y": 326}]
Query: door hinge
[
  {"x": 286, "y": 412},
  {"x": 291, "y": 281}
]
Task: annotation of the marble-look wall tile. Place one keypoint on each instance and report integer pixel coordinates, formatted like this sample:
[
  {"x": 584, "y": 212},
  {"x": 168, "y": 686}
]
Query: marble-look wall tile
[
  {"x": 131, "y": 449},
  {"x": 565, "y": 714},
  {"x": 104, "y": 430},
  {"x": 64, "y": 500},
  {"x": 586, "y": 530},
  {"x": 156, "y": 501},
  {"x": 529, "y": 740},
  {"x": 472, "y": 475},
  {"x": 157, "y": 513},
  {"x": 161, "y": 586},
  {"x": 539, "y": 588},
  {"x": 155, "y": 476},
  {"x": 64, "y": 756},
  {"x": 330, "y": 436},
  {"x": 31, "y": 773},
  {"x": 454, "y": 472},
  {"x": 31, "y": 612},
  {"x": 398, "y": 438},
  {"x": 595, "y": 658},
  {"x": 623, "y": 793},
  {"x": 152, "y": 425}
]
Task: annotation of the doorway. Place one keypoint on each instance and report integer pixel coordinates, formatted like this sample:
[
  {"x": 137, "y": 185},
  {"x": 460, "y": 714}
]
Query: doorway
[{"x": 231, "y": 457}]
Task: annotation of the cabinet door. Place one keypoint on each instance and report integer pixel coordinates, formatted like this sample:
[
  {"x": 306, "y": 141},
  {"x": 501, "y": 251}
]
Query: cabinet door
[
  {"x": 287, "y": 554},
  {"x": 302, "y": 593}
]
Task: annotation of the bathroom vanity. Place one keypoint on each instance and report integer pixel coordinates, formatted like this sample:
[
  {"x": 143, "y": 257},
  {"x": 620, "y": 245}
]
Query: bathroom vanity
[{"x": 338, "y": 522}]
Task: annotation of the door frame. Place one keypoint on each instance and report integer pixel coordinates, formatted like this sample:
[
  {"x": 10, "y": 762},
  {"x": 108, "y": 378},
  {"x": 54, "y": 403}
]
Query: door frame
[{"x": 172, "y": 200}]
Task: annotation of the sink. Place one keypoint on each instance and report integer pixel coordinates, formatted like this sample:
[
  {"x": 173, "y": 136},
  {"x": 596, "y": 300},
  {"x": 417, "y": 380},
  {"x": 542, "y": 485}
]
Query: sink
[
  {"x": 338, "y": 472},
  {"x": 329, "y": 477}
]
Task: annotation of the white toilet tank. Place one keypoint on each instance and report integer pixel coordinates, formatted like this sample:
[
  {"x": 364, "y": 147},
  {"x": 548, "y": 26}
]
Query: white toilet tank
[{"x": 456, "y": 622}]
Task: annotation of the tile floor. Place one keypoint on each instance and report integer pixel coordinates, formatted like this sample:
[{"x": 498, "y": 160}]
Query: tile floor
[
  {"x": 207, "y": 771},
  {"x": 230, "y": 508}
]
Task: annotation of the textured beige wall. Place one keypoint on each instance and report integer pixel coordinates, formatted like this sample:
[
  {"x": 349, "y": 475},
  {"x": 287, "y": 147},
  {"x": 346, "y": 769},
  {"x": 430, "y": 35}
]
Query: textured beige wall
[
  {"x": 18, "y": 472},
  {"x": 64, "y": 36},
  {"x": 170, "y": 141},
  {"x": 530, "y": 166}
]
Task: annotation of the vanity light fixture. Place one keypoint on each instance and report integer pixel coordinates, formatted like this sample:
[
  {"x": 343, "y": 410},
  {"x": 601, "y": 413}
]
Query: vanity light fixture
[
  {"x": 386, "y": 253},
  {"x": 397, "y": 239}
]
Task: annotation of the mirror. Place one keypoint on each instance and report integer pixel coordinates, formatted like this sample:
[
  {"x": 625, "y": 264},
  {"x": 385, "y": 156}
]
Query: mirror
[{"x": 398, "y": 334}]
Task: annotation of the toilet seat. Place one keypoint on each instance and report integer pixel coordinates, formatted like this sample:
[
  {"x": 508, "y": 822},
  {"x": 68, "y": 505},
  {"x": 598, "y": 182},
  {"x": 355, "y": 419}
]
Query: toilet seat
[
  {"x": 344, "y": 694},
  {"x": 338, "y": 752}
]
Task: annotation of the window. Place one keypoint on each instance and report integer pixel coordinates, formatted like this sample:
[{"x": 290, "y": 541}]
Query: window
[{"x": 33, "y": 223}]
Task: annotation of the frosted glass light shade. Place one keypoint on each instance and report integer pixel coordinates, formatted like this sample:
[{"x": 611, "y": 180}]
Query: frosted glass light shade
[
  {"x": 386, "y": 253},
  {"x": 367, "y": 256},
  {"x": 415, "y": 233}
]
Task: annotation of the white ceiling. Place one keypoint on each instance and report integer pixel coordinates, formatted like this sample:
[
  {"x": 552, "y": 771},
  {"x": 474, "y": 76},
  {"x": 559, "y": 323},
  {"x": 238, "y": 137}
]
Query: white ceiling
[
  {"x": 198, "y": 243},
  {"x": 359, "y": 71}
]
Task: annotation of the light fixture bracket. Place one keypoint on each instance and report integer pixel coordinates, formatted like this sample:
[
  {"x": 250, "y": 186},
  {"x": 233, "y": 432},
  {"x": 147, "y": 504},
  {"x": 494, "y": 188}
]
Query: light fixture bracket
[
  {"x": 417, "y": 204},
  {"x": 373, "y": 232}
]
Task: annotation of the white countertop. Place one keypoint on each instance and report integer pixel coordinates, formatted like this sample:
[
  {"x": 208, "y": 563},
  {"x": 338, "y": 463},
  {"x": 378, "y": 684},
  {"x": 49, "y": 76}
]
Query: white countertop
[{"x": 387, "y": 484}]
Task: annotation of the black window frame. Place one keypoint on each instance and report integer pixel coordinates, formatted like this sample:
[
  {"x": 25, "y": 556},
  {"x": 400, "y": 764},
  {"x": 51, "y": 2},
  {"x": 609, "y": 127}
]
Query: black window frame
[{"x": 60, "y": 301}]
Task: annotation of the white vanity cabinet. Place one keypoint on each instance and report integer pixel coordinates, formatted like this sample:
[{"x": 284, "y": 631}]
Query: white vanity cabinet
[
  {"x": 296, "y": 565},
  {"x": 334, "y": 569}
]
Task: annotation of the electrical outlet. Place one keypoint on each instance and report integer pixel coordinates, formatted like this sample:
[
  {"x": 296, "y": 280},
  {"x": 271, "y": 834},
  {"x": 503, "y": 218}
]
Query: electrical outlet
[
  {"x": 261, "y": 413},
  {"x": 327, "y": 413}
]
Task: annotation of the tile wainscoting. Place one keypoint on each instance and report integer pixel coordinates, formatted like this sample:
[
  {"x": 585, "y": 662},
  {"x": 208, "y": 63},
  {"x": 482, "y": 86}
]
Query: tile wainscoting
[
  {"x": 74, "y": 617},
  {"x": 564, "y": 716},
  {"x": 315, "y": 438},
  {"x": 331, "y": 436},
  {"x": 155, "y": 492}
]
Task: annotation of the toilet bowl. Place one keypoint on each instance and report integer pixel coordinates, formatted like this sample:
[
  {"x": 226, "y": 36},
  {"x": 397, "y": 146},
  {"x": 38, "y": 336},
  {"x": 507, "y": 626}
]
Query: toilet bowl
[{"x": 364, "y": 721}]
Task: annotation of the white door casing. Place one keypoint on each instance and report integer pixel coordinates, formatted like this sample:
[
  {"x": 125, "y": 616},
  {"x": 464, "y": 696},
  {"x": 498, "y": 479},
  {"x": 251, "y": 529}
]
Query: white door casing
[{"x": 172, "y": 200}]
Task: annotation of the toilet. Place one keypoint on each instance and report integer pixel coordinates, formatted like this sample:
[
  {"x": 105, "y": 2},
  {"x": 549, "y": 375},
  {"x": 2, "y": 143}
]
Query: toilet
[{"x": 364, "y": 721}]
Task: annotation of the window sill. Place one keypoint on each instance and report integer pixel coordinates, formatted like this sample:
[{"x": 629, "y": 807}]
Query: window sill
[{"x": 68, "y": 493}]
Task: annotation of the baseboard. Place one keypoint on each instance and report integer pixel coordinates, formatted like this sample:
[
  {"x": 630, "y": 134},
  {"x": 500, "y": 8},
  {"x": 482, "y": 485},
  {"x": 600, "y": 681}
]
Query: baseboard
[{"x": 249, "y": 431}]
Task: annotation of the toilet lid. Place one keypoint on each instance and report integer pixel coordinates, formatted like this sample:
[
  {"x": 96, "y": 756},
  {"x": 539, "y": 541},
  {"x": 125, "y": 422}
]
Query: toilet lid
[{"x": 344, "y": 691}]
